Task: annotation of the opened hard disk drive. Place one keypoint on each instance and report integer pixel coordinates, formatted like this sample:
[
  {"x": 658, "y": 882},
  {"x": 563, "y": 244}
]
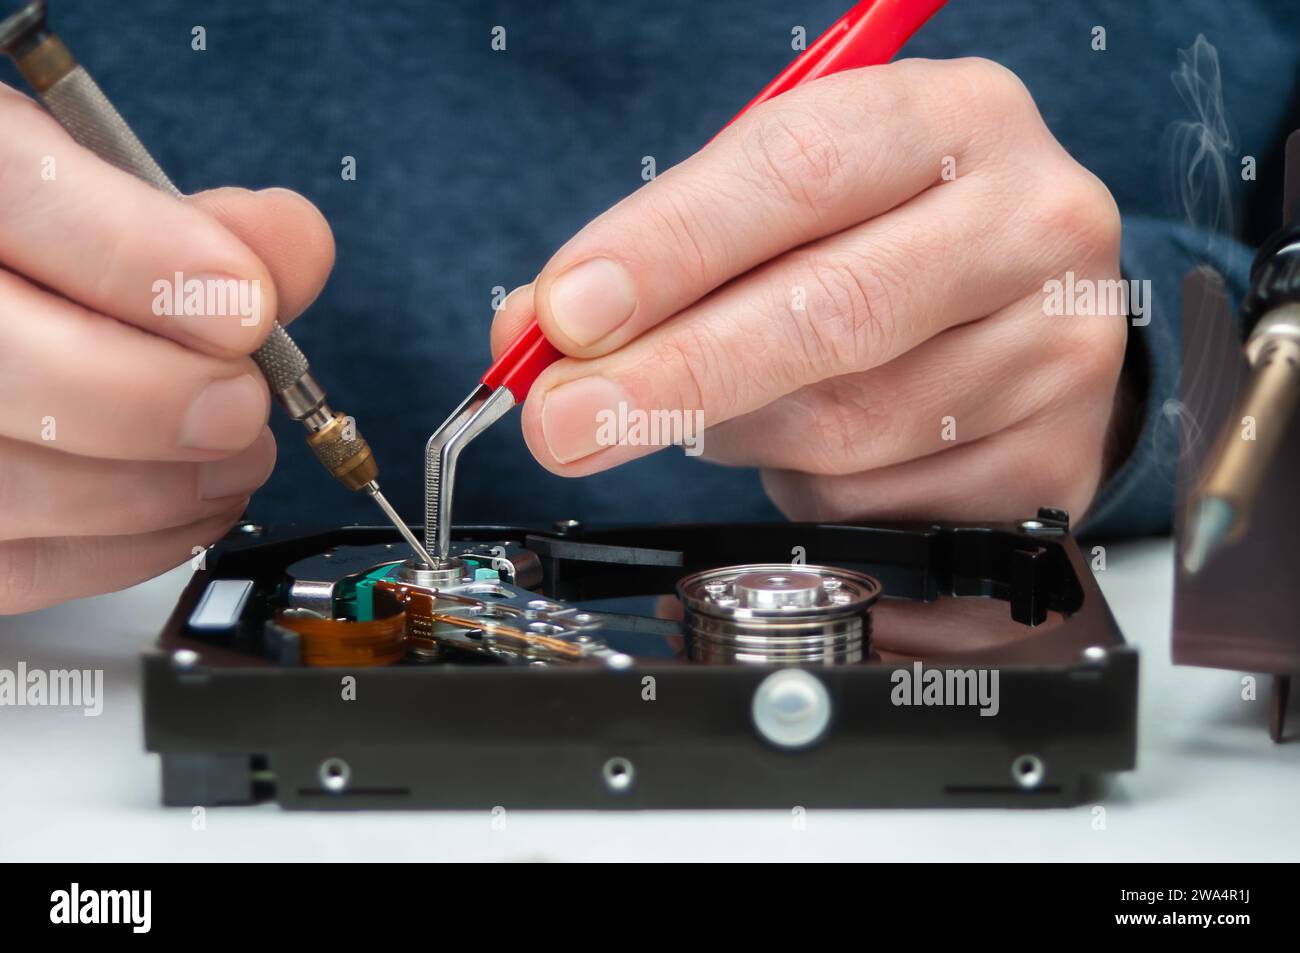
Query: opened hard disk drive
[{"x": 701, "y": 666}]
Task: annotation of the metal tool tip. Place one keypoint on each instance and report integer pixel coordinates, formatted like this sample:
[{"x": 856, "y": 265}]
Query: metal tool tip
[
  {"x": 411, "y": 540},
  {"x": 21, "y": 23},
  {"x": 1208, "y": 527}
]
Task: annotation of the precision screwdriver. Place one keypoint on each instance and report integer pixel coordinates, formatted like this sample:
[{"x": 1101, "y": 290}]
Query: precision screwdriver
[
  {"x": 1221, "y": 508},
  {"x": 81, "y": 107}
]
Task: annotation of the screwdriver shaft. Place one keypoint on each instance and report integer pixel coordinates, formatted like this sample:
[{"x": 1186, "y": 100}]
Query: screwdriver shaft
[{"x": 373, "y": 489}]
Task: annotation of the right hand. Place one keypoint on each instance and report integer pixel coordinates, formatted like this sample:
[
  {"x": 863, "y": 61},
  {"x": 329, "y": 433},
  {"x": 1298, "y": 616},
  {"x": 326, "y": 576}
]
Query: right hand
[{"x": 128, "y": 438}]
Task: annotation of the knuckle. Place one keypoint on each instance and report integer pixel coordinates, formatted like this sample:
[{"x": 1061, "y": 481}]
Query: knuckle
[
  {"x": 996, "y": 85},
  {"x": 991, "y": 107},
  {"x": 849, "y": 320},
  {"x": 1079, "y": 214},
  {"x": 799, "y": 155},
  {"x": 828, "y": 425},
  {"x": 699, "y": 368},
  {"x": 1096, "y": 353},
  {"x": 830, "y": 449},
  {"x": 856, "y": 431},
  {"x": 1101, "y": 223},
  {"x": 823, "y": 450},
  {"x": 676, "y": 226}
]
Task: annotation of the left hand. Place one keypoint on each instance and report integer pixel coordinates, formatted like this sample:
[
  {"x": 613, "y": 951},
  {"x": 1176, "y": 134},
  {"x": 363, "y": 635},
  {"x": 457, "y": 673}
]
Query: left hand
[{"x": 866, "y": 329}]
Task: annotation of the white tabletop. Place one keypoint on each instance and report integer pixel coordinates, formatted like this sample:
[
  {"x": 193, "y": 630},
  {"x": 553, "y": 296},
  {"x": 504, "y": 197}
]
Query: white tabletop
[{"x": 1209, "y": 783}]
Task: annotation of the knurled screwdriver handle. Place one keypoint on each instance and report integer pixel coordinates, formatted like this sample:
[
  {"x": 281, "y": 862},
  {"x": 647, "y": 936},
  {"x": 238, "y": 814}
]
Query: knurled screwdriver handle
[{"x": 81, "y": 107}]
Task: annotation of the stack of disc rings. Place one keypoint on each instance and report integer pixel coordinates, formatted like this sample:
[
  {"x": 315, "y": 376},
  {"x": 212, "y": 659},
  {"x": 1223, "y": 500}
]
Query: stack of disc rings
[{"x": 778, "y": 614}]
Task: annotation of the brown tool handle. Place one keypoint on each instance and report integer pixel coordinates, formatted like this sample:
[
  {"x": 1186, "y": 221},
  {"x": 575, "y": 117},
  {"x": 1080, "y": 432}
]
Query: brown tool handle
[{"x": 1253, "y": 436}]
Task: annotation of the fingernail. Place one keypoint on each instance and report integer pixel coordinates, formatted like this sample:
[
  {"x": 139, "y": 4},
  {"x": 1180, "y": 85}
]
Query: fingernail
[
  {"x": 505, "y": 302},
  {"x": 216, "y": 308},
  {"x": 241, "y": 474},
  {"x": 572, "y": 414},
  {"x": 226, "y": 415},
  {"x": 591, "y": 300}
]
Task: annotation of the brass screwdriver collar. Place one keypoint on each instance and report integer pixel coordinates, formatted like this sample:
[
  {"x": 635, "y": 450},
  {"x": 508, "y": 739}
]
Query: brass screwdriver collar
[
  {"x": 48, "y": 63},
  {"x": 348, "y": 460}
]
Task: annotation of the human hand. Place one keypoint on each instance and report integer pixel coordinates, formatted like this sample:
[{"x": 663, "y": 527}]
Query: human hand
[
  {"x": 849, "y": 284},
  {"x": 130, "y": 436}
]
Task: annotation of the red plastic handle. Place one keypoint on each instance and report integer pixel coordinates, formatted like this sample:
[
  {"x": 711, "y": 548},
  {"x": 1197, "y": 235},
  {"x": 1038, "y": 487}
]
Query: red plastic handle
[
  {"x": 871, "y": 33},
  {"x": 520, "y": 363}
]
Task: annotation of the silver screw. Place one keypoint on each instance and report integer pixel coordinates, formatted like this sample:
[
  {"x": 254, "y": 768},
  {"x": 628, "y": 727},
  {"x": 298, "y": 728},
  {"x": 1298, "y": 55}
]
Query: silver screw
[
  {"x": 335, "y": 774},
  {"x": 618, "y": 774},
  {"x": 1028, "y": 771},
  {"x": 185, "y": 659},
  {"x": 791, "y": 708}
]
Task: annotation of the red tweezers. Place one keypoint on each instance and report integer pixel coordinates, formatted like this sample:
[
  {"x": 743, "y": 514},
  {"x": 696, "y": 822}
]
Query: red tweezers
[{"x": 871, "y": 33}]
